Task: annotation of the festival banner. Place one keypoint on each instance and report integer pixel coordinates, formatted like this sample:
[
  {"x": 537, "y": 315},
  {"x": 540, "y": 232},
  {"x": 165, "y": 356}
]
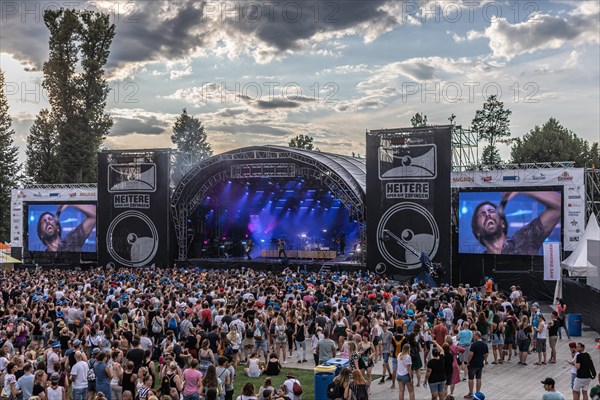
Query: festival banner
[
  {"x": 133, "y": 194},
  {"x": 408, "y": 198},
  {"x": 551, "y": 261}
]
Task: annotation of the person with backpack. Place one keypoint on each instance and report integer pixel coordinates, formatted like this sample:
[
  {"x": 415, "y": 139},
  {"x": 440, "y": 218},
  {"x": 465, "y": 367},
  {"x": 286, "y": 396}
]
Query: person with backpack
[
  {"x": 260, "y": 338},
  {"x": 585, "y": 373},
  {"x": 158, "y": 328},
  {"x": 173, "y": 322},
  {"x": 293, "y": 386},
  {"x": 358, "y": 388},
  {"x": 337, "y": 388}
]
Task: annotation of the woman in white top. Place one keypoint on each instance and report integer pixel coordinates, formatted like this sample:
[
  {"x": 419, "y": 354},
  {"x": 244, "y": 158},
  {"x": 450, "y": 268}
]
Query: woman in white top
[
  {"x": 254, "y": 370},
  {"x": 236, "y": 343},
  {"x": 117, "y": 371},
  {"x": 280, "y": 337},
  {"x": 55, "y": 392},
  {"x": 403, "y": 373},
  {"x": 540, "y": 343}
]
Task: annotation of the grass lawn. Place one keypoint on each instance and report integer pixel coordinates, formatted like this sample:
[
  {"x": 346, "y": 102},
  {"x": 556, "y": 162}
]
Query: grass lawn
[{"x": 305, "y": 376}]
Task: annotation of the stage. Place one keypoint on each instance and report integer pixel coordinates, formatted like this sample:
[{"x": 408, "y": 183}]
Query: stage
[{"x": 341, "y": 263}]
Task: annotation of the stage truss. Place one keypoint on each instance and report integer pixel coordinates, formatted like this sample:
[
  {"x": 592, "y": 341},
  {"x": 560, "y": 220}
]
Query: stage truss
[{"x": 344, "y": 176}]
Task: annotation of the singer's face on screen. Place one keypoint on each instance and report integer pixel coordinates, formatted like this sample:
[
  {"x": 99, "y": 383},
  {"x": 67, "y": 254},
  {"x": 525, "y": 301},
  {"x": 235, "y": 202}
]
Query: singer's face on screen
[
  {"x": 489, "y": 223},
  {"x": 48, "y": 227}
]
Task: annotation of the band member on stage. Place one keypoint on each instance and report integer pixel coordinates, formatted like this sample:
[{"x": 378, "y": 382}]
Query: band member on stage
[
  {"x": 281, "y": 248},
  {"x": 249, "y": 246},
  {"x": 342, "y": 242}
]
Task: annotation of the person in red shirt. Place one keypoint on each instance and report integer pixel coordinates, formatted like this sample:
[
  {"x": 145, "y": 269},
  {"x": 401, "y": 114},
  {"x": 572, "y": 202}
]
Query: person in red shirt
[
  {"x": 489, "y": 286},
  {"x": 440, "y": 331}
]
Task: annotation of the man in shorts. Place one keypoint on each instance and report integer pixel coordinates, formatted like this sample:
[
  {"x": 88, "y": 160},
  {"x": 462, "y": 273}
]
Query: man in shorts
[
  {"x": 477, "y": 354},
  {"x": 386, "y": 348}
]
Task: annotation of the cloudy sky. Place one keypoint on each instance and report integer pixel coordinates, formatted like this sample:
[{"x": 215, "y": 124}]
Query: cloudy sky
[{"x": 262, "y": 72}]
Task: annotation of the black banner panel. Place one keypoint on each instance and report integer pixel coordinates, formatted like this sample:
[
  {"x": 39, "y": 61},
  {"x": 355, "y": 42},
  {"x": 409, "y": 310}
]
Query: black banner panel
[
  {"x": 133, "y": 226},
  {"x": 408, "y": 198}
]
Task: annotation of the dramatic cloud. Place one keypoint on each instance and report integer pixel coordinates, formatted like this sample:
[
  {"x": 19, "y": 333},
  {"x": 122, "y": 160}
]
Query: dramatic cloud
[
  {"x": 159, "y": 31},
  {"x": 543, "y": 31}
]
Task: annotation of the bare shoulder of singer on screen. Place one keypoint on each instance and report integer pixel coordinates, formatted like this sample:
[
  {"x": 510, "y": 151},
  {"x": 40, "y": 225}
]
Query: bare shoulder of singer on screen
[
  {"x": 50, "y": 231},
  {"x": 490, "y": 226}
]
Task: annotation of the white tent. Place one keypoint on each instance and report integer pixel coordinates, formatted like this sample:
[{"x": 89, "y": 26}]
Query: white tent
[{"x": 577, "y": 262}]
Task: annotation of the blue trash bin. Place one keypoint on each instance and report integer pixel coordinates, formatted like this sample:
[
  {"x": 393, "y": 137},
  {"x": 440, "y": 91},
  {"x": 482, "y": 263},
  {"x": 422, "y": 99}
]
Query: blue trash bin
[
  {"x": 339, "y": 363},
  {"x": 574, "y": 324},
  {"x": 324, "y": 375}
]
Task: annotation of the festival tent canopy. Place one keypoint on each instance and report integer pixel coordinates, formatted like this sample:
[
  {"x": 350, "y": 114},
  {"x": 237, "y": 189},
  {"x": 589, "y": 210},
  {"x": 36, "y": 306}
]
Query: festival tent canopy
[{"x": 577, "y": 262}]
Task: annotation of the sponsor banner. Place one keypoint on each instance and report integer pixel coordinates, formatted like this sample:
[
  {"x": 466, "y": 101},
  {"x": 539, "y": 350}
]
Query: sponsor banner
[
  {"x": 134, "y": 225},
  {"x": 408, "y": 198},
  {"x": 518, "y": 177},
  {"x": 22, "y": 196},
  {"x": 551, "y": 261},
  {"x": 571, "y": 179}
]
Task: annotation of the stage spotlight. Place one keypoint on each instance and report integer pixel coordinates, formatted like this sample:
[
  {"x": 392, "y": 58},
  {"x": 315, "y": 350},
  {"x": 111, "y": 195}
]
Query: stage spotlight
[
  {"x": 303, "y": 235},
  {"x": 324, "y": 230}
]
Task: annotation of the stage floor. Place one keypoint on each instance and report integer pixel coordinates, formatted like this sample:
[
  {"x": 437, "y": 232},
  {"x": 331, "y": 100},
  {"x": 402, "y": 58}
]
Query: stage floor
[{"x": 339, "y": 264}]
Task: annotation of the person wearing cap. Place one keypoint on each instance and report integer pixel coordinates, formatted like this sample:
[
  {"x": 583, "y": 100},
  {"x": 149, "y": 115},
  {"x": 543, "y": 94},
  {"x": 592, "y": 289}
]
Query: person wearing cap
[
  {"x": 289, "y": 384},
  {"x": 54, "y": 391},
  {"x": 409, "y": 321},
  {"x": 551, "y": 393},
  {"x": 52, "y": 358}
]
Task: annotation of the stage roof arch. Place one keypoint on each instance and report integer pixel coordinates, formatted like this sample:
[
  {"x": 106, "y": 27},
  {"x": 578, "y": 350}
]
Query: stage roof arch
[{"x": 344, "y": 176}]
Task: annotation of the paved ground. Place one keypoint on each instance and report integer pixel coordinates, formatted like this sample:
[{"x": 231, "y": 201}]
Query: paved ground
[{"x": 506, "y": 381}]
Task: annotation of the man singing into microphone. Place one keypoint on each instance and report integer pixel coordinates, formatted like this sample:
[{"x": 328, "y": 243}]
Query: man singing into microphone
[
  {"x": 49, "y": 229},
  {"x": 490, "y": 226}
]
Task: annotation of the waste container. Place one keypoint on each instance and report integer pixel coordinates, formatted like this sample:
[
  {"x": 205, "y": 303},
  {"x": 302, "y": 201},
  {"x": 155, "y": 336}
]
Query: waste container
[
  {"x": 339, "y": 363},
  {"x": 324, "y": 375},
  {"x": 574, "y": 324}
]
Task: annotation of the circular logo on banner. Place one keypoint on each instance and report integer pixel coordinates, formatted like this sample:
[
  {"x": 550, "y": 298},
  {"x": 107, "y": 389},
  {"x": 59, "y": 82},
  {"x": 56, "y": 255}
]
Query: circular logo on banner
[
  {"x": 132, "y": 239},
  {"x": 405, "y": 231}
]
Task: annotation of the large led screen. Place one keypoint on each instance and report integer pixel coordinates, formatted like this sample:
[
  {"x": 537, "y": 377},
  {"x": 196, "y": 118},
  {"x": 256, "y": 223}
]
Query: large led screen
[
  {"x": 509, "y": 222},
  {"x": 62, "y": 227}
]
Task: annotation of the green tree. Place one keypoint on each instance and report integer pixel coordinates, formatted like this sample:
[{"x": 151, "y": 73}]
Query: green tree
[
  {"x": 303, "y": 142},
  {"x": 190, "y": 138},
  {"x": 77, "y": 90},
  {"x": 9, "y": 164},
  {"x": 419, "y": 120},
  {"x": 552, "y": 142},
  {"x": 492, "y": 125},
  {"x": 42, "y": 160}
]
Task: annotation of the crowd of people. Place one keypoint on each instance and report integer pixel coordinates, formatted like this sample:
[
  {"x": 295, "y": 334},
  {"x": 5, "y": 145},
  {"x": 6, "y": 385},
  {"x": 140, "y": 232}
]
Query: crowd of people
[{"x": 182, "y": 333}]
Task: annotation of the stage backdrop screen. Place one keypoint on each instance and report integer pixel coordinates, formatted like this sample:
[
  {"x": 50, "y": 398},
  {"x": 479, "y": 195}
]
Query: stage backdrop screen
[
  {"x": 509, "y": 222},
  {"x": 62, "y": 227}
]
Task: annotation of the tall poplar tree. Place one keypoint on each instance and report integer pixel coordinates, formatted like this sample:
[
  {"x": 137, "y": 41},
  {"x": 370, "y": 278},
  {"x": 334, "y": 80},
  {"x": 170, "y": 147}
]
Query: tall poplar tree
[
  {"x": 77, "y": 90},
  {"x": 9, "y": 164}
]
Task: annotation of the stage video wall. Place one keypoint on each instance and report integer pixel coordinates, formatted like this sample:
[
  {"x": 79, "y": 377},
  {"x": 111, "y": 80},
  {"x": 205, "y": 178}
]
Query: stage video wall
[
  {"x": 520, "y": 220},
  {"x": 62, "y": 227},
  {"x": 513, "y": 212},
  {"x": 59, "y": 219}
]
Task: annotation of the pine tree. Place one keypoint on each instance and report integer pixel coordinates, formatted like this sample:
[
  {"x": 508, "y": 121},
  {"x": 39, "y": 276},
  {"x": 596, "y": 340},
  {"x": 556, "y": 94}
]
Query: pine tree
[
  {"x": 190, "y": 138},
  {"x": 9, "y": 164},
  {"x": 42, "y": 160},
  {"x": 492, "y": 125}
]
